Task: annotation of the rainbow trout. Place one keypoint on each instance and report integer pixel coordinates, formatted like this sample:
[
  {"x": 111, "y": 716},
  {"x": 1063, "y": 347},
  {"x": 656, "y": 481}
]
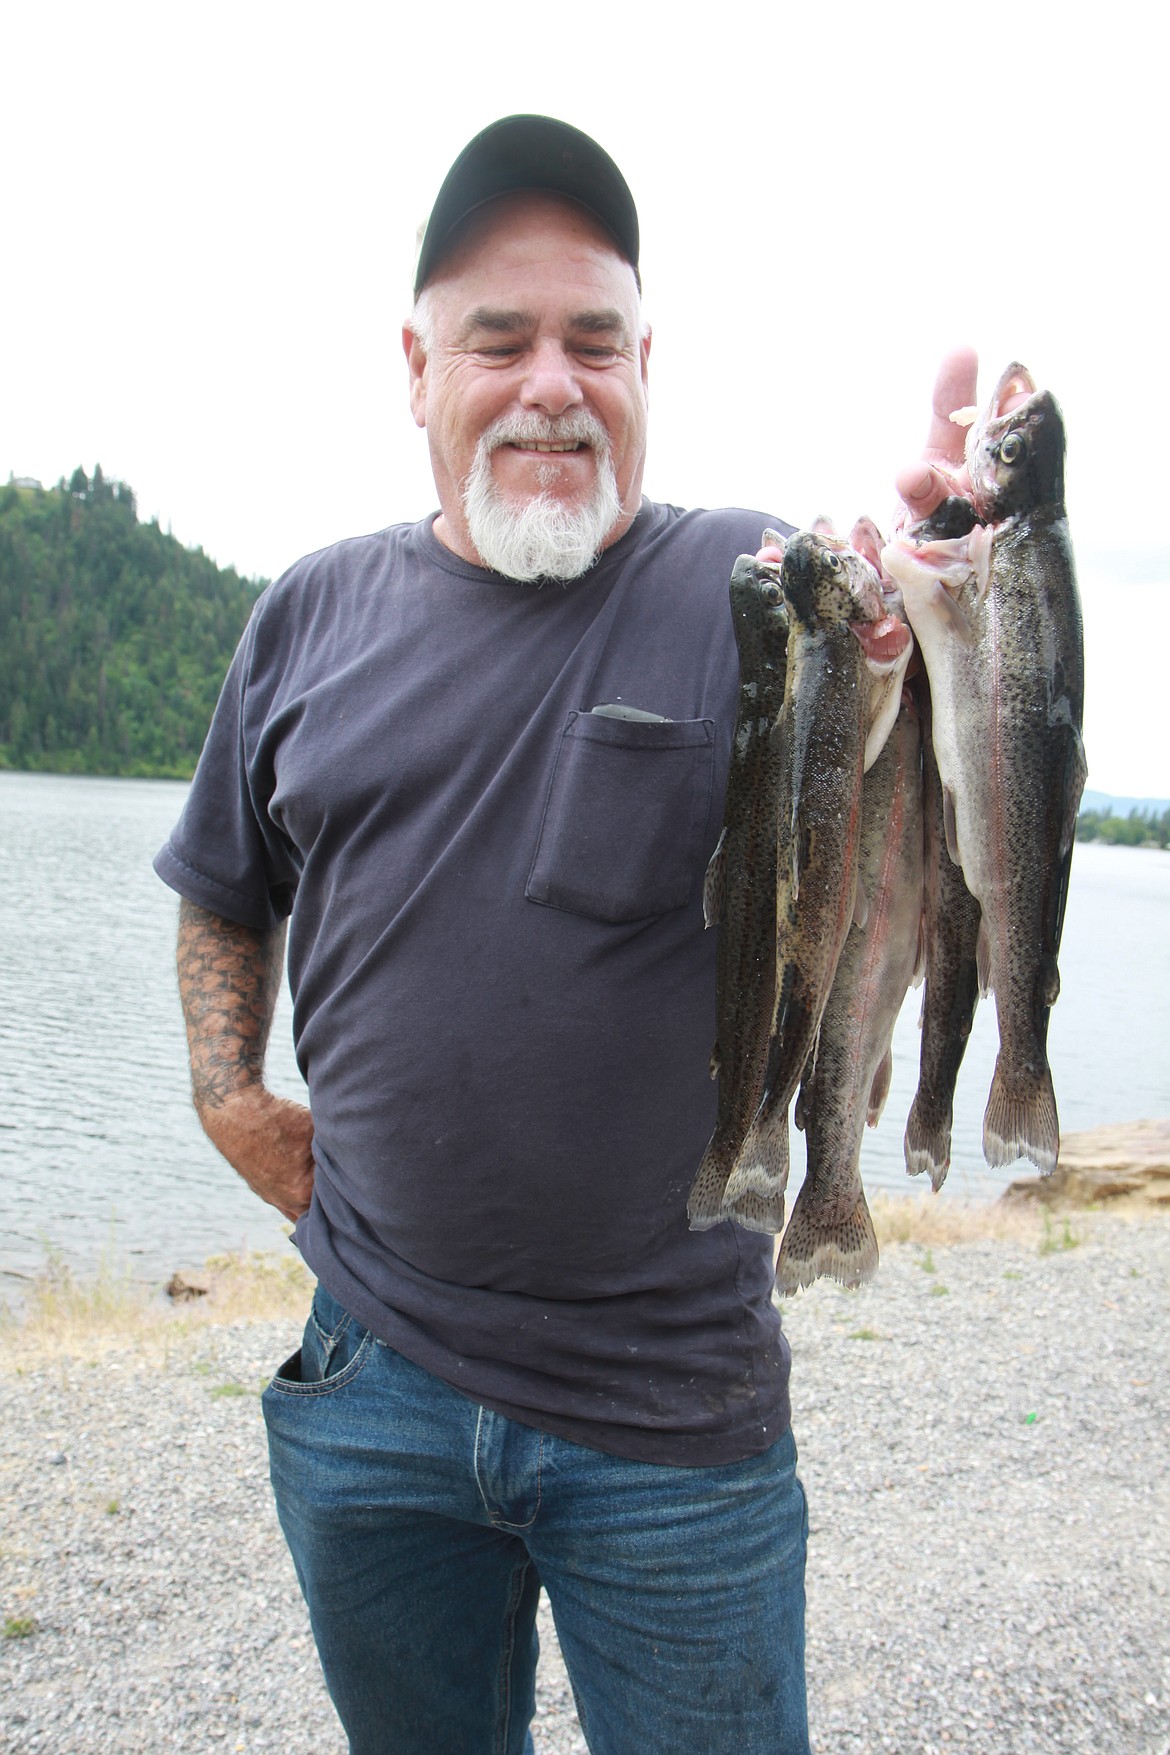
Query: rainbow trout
[
  {"x": 951, "y": 918},
  {"x": 830, "y": 1231},
  {"x": 739, "y": 894},
  {"x": 833, "y": 598},
  {"x": 997, "y": 616}
]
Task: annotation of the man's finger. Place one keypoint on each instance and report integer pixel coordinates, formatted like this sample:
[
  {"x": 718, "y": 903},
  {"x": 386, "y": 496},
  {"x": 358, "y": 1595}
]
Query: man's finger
[
  {"x": 954, "y": 388},
  {"x": 921, "y": 488}
]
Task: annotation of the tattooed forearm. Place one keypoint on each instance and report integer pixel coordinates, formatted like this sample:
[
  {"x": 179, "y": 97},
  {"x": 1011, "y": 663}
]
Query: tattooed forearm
[{"x": 229, "y": 977}]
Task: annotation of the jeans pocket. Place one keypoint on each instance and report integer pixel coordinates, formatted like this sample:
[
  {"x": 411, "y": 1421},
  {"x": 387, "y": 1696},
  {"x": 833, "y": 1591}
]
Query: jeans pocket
[
  {"x": 333, "y": 1350},
  {"x": 623, "y": 831}
]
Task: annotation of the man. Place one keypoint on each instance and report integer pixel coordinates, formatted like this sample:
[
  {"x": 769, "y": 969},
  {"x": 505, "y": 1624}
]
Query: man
[{"x": 479, "y": 761}]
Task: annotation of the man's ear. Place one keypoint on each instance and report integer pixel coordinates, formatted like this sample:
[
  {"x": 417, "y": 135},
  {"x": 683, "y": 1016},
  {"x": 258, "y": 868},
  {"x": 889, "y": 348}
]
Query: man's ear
[{"x": 416, "y": 362}]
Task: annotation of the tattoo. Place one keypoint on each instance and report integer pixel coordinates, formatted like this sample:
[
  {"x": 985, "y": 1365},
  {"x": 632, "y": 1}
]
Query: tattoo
[{"x": 229, "y": 977}]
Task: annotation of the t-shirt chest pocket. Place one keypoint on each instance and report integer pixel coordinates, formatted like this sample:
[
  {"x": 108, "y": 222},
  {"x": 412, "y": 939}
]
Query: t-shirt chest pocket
[{"x": 624, "y": 826}]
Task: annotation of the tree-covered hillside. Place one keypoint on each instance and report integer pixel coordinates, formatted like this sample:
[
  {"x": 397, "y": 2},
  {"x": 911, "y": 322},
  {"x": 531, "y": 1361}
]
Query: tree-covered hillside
[{"x": 114, "y": 638}]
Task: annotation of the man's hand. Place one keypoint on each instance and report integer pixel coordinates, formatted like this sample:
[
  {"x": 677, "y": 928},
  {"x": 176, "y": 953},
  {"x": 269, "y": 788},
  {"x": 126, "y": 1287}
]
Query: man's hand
[
  {"x": 229, "y": 977},
  {"x": 924, "y": 485},
  {"x": 269, "y": 1140}
]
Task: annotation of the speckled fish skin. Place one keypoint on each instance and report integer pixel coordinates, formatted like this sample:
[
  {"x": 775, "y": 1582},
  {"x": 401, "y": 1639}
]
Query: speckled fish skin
[
  {"x": 1004, "y": 650},
  {"x": 951, "y": 919},
  {"x": 739, "y": 895},
  {"x": 820, "y": 736},
  {"x": 830, "y": 1232}
]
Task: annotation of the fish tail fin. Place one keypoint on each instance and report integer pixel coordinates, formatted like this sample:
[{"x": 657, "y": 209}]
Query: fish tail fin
[
  {"x": 1020, "y": 1121},
  {"x": 754, "y": 1196},
  {"x": 705, "y": 1201},
  {"x": 927, "y": 1144},
  {"x": 813, "y": 1247}
]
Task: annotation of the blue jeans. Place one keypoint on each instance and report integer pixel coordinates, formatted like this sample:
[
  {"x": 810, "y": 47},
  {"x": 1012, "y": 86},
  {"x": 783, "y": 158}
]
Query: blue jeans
[{"x": 422, "y": 1527}]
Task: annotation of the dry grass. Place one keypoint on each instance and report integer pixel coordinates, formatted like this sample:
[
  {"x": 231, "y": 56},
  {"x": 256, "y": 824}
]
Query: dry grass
[
  {"x": 910, "y": 1219},
  {"x": 67, "y": 1313}
]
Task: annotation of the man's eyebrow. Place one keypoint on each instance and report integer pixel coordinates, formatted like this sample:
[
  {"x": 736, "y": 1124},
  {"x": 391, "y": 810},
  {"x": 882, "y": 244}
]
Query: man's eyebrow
[
  {"x": 497, "y": 322},
  {"x": 599, "y": 323},
  {"x": 494, "y": 320}
]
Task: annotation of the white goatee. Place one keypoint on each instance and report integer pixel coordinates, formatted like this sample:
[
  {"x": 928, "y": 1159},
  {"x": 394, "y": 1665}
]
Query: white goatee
[{"x": 544, "y": 538}]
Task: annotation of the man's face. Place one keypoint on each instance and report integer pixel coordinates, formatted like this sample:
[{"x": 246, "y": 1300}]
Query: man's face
[{"x": 535, "y": 334}]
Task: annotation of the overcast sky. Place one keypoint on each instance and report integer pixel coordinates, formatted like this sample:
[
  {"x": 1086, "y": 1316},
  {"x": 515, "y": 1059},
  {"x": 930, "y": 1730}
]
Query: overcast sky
[{"x": 209, "y": 222}]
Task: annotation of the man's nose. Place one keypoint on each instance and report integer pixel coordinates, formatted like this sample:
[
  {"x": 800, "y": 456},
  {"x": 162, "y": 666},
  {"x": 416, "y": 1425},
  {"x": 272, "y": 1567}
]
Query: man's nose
[{"x": 551, "y": 382}]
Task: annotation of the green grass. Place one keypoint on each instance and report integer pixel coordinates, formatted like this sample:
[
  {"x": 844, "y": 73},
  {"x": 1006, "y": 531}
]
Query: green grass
[
  {"x": 19, "y": 1626},
  {"x": 1054, "y": 1242}
]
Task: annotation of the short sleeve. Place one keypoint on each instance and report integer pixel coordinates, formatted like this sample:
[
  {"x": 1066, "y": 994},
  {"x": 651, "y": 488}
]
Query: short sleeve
[{"x": 224, "y": 853}]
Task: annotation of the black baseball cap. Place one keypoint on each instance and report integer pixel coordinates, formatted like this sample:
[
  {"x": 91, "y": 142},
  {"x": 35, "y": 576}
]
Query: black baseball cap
[{"x": 530, "y": 152}]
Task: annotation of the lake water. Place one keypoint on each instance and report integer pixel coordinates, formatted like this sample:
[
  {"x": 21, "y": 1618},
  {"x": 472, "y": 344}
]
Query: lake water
[{"x": 100, "y": 1150}]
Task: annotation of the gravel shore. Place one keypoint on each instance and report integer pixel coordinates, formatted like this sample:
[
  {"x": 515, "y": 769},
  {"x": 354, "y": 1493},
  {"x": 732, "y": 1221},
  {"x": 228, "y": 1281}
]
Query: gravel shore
[{"x": 983, "y": 1436}]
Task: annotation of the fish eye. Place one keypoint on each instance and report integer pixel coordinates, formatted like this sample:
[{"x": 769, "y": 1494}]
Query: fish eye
[
  {"x": 1011, "y": 448},
  {"x": 832, "y": 561},
  {"x": 770, "y": 591}
]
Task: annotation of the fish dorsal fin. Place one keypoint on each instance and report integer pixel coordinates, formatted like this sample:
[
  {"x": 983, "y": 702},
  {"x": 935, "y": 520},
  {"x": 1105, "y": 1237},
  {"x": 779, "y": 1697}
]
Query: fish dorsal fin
[
  {"x": 983, "y": 958},
  {"x": 715, "y": 882},
  {"x": 950, "y": 827},
  {"x": 798, "y": 854}
]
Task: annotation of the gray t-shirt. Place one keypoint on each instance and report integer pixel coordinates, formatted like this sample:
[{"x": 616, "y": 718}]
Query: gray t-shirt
[{"x": 504, "y": 995}]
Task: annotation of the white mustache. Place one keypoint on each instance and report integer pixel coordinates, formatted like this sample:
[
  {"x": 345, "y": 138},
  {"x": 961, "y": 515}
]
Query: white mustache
[{"x": 578, "y": 427}]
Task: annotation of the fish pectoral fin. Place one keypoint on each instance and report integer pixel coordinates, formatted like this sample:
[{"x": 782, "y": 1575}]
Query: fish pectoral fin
[
  {"x": 716, "y": 1065},
  {"x": 951, "y": 614},
  {"x": 919, "y": 970},
  {"x": 951, "y": 827},
  {"x": 860, "y": 909},
  {"x": 979, "y": 551},
  {"x": 715, "y": 882}
]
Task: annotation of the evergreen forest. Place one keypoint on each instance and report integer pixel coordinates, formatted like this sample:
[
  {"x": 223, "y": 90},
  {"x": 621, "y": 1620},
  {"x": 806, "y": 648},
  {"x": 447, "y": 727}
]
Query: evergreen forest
[
  {"x": 1141, "y": 828},
  {"x": 114, "y": 638}
]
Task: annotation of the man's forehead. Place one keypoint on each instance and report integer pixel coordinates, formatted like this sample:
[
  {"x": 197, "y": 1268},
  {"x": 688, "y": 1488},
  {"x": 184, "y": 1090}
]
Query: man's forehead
[{"x": 511, "y": 223}]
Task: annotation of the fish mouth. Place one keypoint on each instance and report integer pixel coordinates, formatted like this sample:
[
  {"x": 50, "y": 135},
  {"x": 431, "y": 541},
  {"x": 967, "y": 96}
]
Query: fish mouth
[
  {"x": 1006, "y": 404},
  {"x": 1016, "y": 383},
  {"x": 884, "y": 642}
]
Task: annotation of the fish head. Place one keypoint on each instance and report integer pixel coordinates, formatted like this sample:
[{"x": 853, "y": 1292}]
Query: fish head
[
  {"x": 1015, "y": 451},
  {"x": 886, "y": 642},
  {"x": 826, "y": 582},
  {"x": 757, "y": 600}
]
